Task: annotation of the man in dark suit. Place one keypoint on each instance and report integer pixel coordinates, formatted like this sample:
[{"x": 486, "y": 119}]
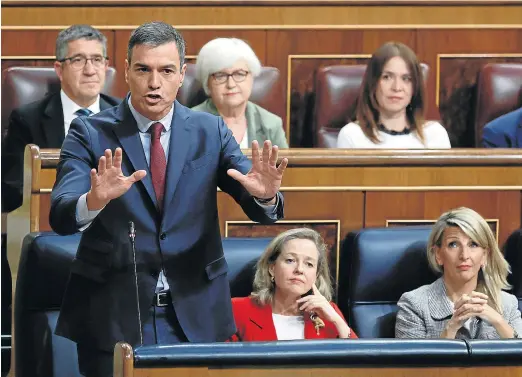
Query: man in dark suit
[
  {"x": 162, "y": 176},
  {"x": 504, "y": 132},
  {"x": 81, "y": 64}
]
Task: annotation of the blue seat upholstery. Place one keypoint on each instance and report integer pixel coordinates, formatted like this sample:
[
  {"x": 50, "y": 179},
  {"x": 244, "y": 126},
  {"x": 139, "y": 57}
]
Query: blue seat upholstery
[
  {"x": 377, "y": 265},
  {"x": 42, "y": 277}
]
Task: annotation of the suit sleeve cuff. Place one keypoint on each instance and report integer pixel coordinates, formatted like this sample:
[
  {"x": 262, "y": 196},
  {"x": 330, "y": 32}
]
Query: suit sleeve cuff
[
  {"x": 84, "y": 217},
  {"x": 269, "y": 208}
]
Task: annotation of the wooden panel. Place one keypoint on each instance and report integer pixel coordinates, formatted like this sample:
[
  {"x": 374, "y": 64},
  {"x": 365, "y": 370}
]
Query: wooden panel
[
  {"x": 267, "y": 14},
  {"x": 308, "y": 205},
  {"x": 302, "y": 93},
  {"x": 403, "y": 178},
  {"x": 456, "y": 109},
  {"x": 269, "y": 371},
  {"x": 457, "y": 92},
  {"x": 7, "y": 63},
  {"x": 40, "y": 42},
  {"x": 501, "y": 205},
  {"x": 45, "y": 209}
]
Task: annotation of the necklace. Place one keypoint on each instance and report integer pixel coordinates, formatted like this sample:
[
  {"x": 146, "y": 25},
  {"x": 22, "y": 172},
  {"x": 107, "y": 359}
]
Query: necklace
[{"x": 382, "y": 128}]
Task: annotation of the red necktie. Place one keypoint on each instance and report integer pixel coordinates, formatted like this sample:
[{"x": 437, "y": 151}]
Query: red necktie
[{"x": 158, "y": 162}]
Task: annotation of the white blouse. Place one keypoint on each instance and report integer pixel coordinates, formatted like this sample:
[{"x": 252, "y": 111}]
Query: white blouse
[
  {"x": 435, "y": 136},
  {"x": 289, "y": 327}
]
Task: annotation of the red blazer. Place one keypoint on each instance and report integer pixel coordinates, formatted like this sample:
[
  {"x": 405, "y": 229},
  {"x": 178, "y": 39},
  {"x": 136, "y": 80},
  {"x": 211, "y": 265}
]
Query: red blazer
[{"x": 255, "y": 323}]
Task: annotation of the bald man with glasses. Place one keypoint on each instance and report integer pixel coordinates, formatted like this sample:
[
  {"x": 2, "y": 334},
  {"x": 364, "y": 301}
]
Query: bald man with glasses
[{"x": 81, "y": 64}]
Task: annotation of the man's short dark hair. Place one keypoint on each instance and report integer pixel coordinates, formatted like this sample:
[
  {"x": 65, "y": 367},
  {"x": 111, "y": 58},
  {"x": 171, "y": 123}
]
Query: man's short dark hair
[
  {"x": 74, "y": 33},
  {"x": 155, "y": 34}
]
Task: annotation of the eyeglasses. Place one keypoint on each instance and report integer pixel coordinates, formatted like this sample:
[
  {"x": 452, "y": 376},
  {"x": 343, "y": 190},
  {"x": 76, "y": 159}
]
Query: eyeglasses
[
  {"x": 237, "y": 76},
  {"x": 78, "y": 62}
]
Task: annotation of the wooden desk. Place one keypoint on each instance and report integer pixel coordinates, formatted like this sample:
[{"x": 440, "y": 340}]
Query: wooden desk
[
  {"x": 336, "y": 191},
  {"x": 124, "y": 366}
]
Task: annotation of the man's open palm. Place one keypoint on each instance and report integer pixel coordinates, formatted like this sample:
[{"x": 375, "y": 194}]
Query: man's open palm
[
  {"x": 264, "y": 179},
  {"x": 109, "y": 182}
]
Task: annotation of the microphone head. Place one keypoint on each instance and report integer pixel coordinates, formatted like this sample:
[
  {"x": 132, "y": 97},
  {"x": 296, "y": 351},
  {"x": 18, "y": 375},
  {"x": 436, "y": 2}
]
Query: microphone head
[{"x": 132, "y": 230}]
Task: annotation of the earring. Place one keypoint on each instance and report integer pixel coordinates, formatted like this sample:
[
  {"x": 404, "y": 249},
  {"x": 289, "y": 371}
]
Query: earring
[
  {"x": 181, "y": 84},
  {"x": 272, "y": 279}
]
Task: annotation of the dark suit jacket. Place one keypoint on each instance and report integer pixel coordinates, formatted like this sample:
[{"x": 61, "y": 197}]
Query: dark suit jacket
[
  {"x": 39, "y": 123},
  {"x": 255, "y": 323},
  {"x": 99, "y": 307},
  {"x": 504, "y": 132}
]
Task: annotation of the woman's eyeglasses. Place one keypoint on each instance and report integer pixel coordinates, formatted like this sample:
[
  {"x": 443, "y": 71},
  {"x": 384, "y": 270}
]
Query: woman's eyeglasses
[{"x": 237, "y": 76}]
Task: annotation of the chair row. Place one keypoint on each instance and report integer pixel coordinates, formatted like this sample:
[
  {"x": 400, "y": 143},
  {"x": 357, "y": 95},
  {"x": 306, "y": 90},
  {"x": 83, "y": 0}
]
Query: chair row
[
  {"x": 376, "y": 266},
  {"x": 337, "y": 89}
]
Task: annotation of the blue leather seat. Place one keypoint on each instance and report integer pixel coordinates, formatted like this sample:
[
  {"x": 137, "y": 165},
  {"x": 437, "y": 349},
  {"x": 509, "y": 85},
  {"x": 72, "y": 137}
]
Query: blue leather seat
[
  {"x": 377, "y": 265},
  {"x": 42, "y": 277}
]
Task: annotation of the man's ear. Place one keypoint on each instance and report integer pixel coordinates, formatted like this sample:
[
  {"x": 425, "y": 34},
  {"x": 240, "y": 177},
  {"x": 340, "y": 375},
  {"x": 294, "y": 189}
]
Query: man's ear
[
  {"x": 127, "y": 67},
  {"x": 182, "y": 73},
  {"x": 58, "y": 69}
]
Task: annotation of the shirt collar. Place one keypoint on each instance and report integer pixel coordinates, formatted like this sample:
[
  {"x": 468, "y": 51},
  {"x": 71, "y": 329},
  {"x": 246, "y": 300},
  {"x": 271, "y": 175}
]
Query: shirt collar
[
  {"x": 144, "y": 123},
  {"x": 70, "y": 107}
]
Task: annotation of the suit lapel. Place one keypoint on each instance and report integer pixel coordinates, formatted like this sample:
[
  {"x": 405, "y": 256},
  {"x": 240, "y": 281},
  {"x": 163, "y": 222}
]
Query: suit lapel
[
  {"x": 126, "y": 130},
  {"x": 178, "y": 149},
  {"x": 518, "y": 135},
  {"x": 52, "y": 123},
  {"x": 104, "y": 104},
  {"x": 261, "y": 319},
  {"x": 438, "y": 302}
]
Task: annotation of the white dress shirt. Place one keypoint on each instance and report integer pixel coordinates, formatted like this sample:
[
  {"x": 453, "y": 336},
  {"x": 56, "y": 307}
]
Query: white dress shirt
[{"x": 70, "y": 107}]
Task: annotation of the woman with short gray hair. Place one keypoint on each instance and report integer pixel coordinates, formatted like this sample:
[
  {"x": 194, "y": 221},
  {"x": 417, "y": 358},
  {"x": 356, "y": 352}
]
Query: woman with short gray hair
[
  {"x": 226, "y": 67},
  {"x": 292, "y": 293}
]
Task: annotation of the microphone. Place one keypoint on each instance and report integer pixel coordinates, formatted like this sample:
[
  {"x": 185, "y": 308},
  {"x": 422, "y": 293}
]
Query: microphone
[{"x": 132, "y": 237}]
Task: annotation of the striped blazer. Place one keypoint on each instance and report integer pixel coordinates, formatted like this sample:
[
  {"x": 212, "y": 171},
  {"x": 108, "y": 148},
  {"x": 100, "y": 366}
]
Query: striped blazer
[{"x": 425, "y": 312}]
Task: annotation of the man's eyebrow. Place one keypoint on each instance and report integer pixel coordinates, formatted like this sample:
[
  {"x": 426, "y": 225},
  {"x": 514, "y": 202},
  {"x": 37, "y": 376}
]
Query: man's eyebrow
[{"x": 167, "y": 66}]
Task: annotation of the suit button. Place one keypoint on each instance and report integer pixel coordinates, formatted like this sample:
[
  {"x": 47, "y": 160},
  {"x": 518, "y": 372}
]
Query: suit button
[{"x": 163, "y": 236}]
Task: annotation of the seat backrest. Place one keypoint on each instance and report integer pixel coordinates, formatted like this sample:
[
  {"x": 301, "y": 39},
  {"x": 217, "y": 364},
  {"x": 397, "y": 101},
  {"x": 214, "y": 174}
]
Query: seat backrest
[
  {"x": 42, "y": 277},
  {"x": 43, "y": 272},
  {"x": 337, "y": 88},
  {"x": 513, "y": 254},
  {"x": 499, "y": 91},
  {"x": 266, "y": 91},
  {"x": 380, "y": 264},
  {"x": 23, "y": 85}
]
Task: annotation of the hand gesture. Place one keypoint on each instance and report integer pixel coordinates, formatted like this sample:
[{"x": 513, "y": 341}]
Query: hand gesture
[
  {"x": 467, "y": 306},
  {"x": 109, "y": 182},
  {"x": 318, "y": 304},
  {"x": 264, "y": 179}
]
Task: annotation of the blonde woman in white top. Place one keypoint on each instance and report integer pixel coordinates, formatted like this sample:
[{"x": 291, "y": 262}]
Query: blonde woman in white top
[{"x": 391, "y": 105}]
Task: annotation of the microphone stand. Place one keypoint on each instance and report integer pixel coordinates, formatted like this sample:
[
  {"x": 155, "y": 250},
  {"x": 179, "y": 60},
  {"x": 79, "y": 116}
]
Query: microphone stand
[{"x": 132, "y": 237}]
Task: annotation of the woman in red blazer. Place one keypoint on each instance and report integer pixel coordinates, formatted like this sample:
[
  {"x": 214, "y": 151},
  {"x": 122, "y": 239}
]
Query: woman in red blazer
[{"x": 292, "y": 293}]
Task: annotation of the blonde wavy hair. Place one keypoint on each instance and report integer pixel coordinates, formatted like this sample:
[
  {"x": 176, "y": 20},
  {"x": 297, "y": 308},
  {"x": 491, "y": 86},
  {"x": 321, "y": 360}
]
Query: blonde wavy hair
[
  {"x": 492, "y": 277},
  {"x": 264, "y": 288}
]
